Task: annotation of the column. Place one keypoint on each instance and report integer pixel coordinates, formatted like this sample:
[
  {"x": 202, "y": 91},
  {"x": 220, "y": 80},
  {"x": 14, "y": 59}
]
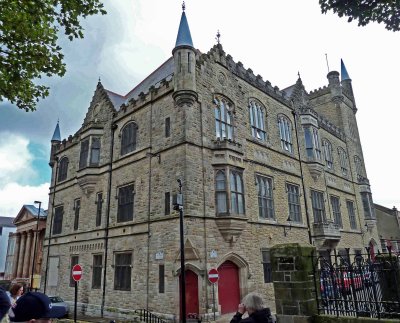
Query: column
[
  {"x": 21, "y": 255},
  {"x": 16, "y": 254},
  {"x": 28, "y": 254}
]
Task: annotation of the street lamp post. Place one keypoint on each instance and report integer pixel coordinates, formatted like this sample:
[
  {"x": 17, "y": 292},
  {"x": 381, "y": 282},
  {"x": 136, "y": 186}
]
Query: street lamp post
[
  {"x": 178, "y": 205},
  {"x": 34, "y": 247}
]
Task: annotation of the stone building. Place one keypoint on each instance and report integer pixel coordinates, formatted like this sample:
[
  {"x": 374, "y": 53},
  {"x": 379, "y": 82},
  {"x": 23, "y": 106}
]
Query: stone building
[
  {"x": 259, "y": 166},
  {"x": 6, "y": 227},
  {"x": 388, "y": 225},
  {"x": 21, "y": 255}
]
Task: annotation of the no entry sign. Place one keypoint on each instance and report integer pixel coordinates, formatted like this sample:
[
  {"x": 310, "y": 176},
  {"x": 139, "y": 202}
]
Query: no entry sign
[
  {"x": 77, "y": 272},
  {"x": 213, "y": 275}
]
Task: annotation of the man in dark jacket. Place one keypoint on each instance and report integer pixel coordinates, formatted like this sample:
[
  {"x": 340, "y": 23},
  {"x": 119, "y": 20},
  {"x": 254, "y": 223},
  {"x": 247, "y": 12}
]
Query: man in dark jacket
[
  {"x": 253, "y": 304},
  {"x": 4, "y": 303}
]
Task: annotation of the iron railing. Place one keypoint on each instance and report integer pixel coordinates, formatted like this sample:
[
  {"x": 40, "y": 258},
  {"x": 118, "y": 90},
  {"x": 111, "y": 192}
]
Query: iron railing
[
  {"x": 358, "y": 285},
  {"x": 148, "y": 317}
]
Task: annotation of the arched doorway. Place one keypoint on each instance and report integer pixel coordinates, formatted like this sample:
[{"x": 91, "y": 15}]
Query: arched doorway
[
  {"x": 192, "y": 294},
  {"x": 228, "y": 287}
]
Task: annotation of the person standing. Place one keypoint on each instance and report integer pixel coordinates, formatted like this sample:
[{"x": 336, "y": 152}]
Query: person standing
[
  {"x": 253, "y": 304},
  {"x": 16, "y": 291},
  {"x": 4, "y": 305}
]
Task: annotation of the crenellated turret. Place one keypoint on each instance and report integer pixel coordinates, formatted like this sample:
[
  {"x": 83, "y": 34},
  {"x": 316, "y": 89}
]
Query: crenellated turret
[
  {"x": 346, "y": 82},
  {"x": 55, "y": 140},
  {"x": 185, "y": 64}
]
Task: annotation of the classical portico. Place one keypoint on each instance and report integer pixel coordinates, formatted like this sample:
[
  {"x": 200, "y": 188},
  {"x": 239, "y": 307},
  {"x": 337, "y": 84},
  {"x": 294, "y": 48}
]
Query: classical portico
[{"x": 29, "y": 230}]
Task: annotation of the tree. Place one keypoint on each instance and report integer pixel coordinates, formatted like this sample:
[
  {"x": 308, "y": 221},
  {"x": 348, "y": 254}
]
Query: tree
[
  {"x": 366, "y": 11},
  {"x": 29, "y": 32}
]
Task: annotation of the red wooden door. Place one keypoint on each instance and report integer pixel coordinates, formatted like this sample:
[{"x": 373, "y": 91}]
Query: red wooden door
[
  {"x": 371, "y": 251},
  {"x": 192, "y": 294},
  {"x": 228, "y": 287}
]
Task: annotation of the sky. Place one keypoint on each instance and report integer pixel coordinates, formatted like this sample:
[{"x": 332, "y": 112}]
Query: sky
[{"x": 276, "y": 39}]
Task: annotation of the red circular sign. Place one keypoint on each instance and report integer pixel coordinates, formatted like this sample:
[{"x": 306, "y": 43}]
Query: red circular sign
[
  {"x": 213, "y": 275},
  {"x": 77, "y": 272}
]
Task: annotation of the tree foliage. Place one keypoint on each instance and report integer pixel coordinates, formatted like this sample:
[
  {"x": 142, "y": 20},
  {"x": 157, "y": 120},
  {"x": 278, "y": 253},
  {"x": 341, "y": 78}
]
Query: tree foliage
[
  {"x": 366, "y": 11},
  {"x": 29, "y": 31}
]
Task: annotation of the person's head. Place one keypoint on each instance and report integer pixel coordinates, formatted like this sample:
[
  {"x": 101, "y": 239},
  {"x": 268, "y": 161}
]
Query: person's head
[
  {"x": 16, "y": 290},
  {"x": 253, "y": 302},
  {"x": 35, "y": 307}
]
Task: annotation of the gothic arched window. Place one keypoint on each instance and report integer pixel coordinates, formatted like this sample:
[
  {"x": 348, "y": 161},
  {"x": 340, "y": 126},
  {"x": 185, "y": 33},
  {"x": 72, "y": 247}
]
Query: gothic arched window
[
  {"x": 257, "y": 120},
  {"x": 285, "y": 133},
  {"x": 223, "y": 119},
  {"x": 128, "y": 138},
  {"x": 63, "y": 169},
  {"x": 328, "y": 153}
]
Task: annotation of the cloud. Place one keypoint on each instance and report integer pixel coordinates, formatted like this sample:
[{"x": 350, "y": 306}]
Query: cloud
[
  {"x": 15, "y": 158},
  {"x": 13, "y": 196},
  {"x": 16, "y": 169}
]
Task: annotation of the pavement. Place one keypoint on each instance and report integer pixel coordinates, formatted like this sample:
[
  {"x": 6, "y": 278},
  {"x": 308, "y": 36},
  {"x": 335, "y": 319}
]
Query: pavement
[
  {"x": 226, "y": 318},
  {"x": 90, "y": 319}
]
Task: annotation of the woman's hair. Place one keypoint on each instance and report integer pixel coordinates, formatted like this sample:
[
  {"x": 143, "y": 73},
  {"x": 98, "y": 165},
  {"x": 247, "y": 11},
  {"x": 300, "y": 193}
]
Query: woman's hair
[
  {"x": 14, "y": 289},
  {"x": 253, "y": 301}
]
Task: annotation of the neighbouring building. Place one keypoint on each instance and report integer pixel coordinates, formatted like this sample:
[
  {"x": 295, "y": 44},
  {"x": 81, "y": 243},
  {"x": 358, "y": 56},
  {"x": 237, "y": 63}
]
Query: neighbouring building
[
  {"x": 22, "y": 259},
  {"x": 388, "y": 223},
  {"x": 6, "y": 227},
  {"x": 259, "y": 166}
]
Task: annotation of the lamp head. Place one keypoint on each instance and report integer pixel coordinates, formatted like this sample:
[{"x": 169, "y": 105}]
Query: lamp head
[{"x": 37, "y": 202}]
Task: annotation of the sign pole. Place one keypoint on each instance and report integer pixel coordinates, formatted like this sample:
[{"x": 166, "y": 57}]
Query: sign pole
[
  {"x": 76, "y": 297},
  {"x": 213, "y": 277},
  {"x": 213, "y": 301},
  {"x": 76, "y": 274}
]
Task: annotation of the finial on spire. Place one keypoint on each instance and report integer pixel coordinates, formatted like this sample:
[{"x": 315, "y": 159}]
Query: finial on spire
[
  {"x": 99, "y": 80},
  {"x": 298, "y": 74},
  {"x": 183, "y": 6},
  {"x": 218, "y": 36}
]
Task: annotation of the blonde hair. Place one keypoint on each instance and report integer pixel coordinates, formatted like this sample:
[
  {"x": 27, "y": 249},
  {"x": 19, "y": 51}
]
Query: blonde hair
[{"x": 253, "y": 301}]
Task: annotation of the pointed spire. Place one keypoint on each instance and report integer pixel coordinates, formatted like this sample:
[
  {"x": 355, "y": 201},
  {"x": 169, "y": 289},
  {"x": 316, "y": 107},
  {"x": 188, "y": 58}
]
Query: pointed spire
[
  {"x": 343, "y": 71},
  {"x": 56, "y": 134},
  {"x": 184, "y": 38}
]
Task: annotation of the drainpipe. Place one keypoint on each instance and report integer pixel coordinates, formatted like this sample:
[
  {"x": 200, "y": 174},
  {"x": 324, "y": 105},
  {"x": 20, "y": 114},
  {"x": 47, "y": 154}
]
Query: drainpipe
[
  {"x": 113, "y": 128},
  {"x": 51, "y": 226},
  {"x": 150, "y": 155},
  {"x": 302, "y": 178}
]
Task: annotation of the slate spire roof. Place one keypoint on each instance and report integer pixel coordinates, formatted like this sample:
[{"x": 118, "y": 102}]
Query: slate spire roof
[
  {"x": 56, "y": 134},
  {"x": 184, "y": 38},
  {"x": 343, "y": 72}
]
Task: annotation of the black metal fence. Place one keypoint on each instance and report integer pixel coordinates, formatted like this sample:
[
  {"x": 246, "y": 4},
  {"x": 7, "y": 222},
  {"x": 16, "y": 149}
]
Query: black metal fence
[
  {"x": 358, "y": 285},
  {"x": 148, "y": 317}
]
